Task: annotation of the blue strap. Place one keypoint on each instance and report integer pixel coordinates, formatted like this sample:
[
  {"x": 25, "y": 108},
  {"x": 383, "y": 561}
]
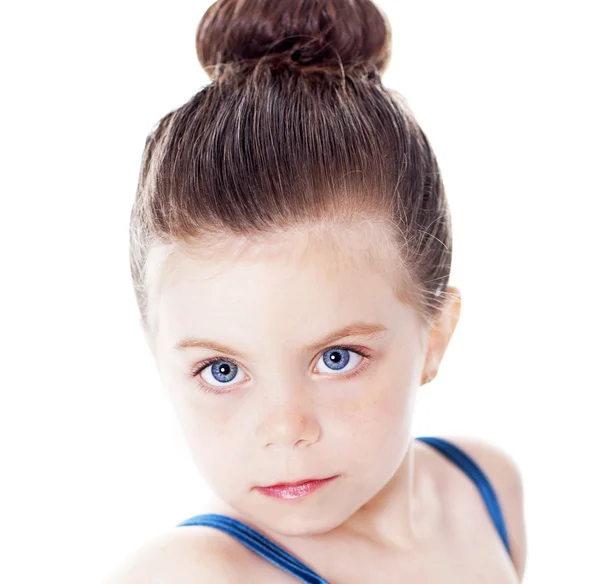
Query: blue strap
[
  {"x": 470, "y": 467},
  {"x": 258, "y": 543}
]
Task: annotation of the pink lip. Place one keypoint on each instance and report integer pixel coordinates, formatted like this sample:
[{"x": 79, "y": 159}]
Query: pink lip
[{"x": 294, "y": 490}]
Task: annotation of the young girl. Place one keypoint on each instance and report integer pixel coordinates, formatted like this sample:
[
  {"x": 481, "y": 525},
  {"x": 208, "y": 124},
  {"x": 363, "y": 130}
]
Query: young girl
[{"x": 291, "y": 250}]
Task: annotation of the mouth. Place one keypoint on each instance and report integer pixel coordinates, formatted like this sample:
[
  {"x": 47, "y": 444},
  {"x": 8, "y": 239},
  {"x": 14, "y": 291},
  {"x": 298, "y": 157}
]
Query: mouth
[{"x": 296, "y": 489}]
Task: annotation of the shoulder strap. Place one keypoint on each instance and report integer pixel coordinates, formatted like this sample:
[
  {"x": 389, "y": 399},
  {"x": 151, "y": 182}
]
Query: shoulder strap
[
  {"x": 470, "y": 467},
  {"x": 258, "y": 543}
]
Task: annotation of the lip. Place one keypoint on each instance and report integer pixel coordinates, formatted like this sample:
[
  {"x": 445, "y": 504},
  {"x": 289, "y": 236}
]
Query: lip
[{"x": 295, "y": 490}]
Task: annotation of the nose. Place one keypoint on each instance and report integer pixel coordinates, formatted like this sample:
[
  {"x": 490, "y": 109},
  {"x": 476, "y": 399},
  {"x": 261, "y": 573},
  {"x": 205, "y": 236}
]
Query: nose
[{"x": 289, "y": 421}]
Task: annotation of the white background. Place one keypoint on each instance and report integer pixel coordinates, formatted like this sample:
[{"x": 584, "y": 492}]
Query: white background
[{"x": 92, "y": 460}]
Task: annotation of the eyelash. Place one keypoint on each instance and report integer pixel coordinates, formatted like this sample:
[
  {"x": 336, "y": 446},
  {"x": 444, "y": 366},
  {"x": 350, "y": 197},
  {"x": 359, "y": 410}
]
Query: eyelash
[{"x": 208, "y": 389}]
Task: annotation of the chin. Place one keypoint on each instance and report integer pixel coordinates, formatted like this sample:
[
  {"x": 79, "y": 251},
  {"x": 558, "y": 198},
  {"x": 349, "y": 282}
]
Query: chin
[{"x": 302, "y": 521}]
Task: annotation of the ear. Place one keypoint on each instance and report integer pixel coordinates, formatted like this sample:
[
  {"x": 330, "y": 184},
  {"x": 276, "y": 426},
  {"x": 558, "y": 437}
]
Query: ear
[
  {"x": 147, "y": 335},
  {"x": 441, "y": 333}
]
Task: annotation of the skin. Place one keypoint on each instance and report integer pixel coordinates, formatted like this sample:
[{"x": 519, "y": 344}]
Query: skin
[{"x": 286, "y": 415}]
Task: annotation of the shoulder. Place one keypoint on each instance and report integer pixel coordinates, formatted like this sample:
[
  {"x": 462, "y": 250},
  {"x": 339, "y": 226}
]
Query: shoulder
[
  {"x": 505, "y": 476},
  {"x": 185, "y": 555}
]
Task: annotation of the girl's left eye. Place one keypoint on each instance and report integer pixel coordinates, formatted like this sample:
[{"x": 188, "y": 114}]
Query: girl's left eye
[{"x": 335, "y": 358}]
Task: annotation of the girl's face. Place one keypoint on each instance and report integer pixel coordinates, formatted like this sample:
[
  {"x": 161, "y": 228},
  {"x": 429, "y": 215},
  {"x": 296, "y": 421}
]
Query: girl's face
[{"x": 290, "y": 363}]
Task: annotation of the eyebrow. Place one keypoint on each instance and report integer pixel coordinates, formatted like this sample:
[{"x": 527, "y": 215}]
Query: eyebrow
[{"x": 359, "y": 328}]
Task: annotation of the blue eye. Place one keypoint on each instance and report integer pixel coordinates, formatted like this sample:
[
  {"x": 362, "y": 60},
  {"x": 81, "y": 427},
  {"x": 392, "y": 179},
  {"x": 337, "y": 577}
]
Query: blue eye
[
  {"x": 337, "y": 358},
  {"x": 222, "y": 371}
]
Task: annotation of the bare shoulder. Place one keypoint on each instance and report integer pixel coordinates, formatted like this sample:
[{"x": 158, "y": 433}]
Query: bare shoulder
[
  {"x": 506, "y": 479},
  {"x": 186, "y": 555}
]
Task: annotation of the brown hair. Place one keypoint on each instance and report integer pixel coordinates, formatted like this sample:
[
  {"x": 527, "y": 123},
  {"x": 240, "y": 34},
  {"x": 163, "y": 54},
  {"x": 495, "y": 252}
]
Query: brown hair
[{"x": 294, "y": 129}]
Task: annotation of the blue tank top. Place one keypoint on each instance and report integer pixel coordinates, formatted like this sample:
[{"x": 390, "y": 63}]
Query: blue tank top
[{"x": 277, "y": 555}]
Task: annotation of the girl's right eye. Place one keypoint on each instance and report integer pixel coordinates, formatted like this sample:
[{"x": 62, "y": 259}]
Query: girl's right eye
[{"x": 224, "y": 372}]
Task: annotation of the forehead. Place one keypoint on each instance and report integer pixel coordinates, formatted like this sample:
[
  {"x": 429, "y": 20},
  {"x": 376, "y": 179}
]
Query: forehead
[
  {"x": 334, "y": 246},
  {"x": 280, "y": 279}
]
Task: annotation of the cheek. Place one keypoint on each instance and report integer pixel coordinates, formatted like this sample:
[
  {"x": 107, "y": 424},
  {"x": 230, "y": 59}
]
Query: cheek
[
  {"x": 385, "y": 399},
  {"x": 213, "y": 433},
  {"x": 201, "y": 430},
  {"x": 377, "y": 420},
  {"x": 211, "y": 449}
]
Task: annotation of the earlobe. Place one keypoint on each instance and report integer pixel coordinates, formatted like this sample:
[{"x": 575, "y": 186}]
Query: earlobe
[{"x": 441, "y": 334}]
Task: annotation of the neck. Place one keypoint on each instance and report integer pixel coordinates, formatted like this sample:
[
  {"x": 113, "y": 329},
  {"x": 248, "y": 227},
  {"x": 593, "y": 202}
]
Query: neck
[{"x": 392, "y": 518}]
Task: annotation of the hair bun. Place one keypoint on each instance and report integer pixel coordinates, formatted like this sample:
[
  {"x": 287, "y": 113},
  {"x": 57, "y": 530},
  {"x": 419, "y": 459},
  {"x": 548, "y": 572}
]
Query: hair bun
[{"x": 303, "y": 34}]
